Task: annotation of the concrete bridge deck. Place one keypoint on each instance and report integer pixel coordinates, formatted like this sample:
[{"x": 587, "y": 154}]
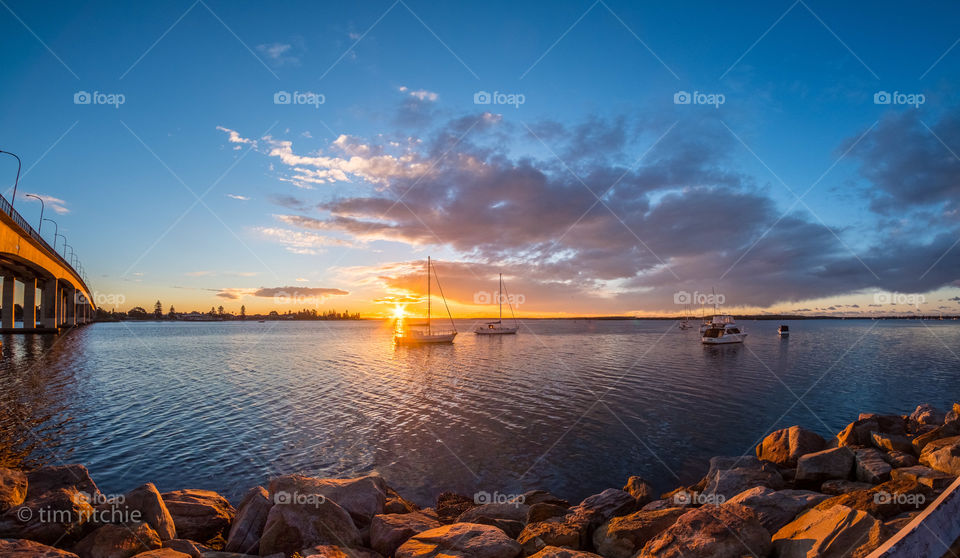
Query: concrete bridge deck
[{"x": 64, "y": 299}]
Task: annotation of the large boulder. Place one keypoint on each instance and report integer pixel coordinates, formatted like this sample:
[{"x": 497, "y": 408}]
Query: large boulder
[
  {"x": 834, "y": 463},
  {"x": 57, "y": 477},
  {"x": 23, "y": 548},
  {"x": 333, "y": 551},
  {"x": 118, "y": 541},
  {"x": 512, "y": 512},
  {"x": 729, "y": 476},
  {"x": 451, "y": 505},
  {"x": 570, "y": 531},
  {"x": 144, "y": 504},
  {"x": 785, "y": 446},
  {"x": 362, "y": 497},
  {"x": 891, "y": 442},
  {"x": 55, "y": 517},
  {"x": 533, "y": 497},
  {"x": 463, "y": 540},
  {"x": 13, "y": 488},
  {"x": 884, "y": 501},
  {"x": 947, "y": 430},
  {"x": 291, "y": 527},
  {"x": 622, "y": 537},
  {"x": 928, "y": 414},
  {"x": 543, "y": 511},
  {"x": 599, "y": 508},
  {"x": 640, "y": 489},
  {"x": 898, "y": 459},
  {"x": 389, "y": 531},
  {"x": 776, "y": 508},
  {"x": 729, "y": 531},
  {"x": 836, "y": 487},
  {"x": 200, "y": 515},
  {"x": 870, "y": 466},
  {"x": 953, "y": 413},
  {"x": 943, "y": 455},
  {"x": 558, "y": 552},
  {"x": 190, "y": 548},
  {"x": 395, "y": 503},
  {"x": 163, "y": 553},
  {"x": 248, "y": 524},
  {"x": 934, "y": 480},
  {"x": 832, "y": 533}
]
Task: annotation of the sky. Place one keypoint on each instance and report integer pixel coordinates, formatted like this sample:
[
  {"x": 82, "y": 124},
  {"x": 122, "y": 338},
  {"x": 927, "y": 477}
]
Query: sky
[{"x": 605, "y": 157}]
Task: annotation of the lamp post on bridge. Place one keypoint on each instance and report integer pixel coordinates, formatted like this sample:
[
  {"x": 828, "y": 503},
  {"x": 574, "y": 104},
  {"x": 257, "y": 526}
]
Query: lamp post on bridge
[
  {"x": 17, "y": 181},
  {"x": 56, "y": 229},
  {"x": 42, "y": 205}
]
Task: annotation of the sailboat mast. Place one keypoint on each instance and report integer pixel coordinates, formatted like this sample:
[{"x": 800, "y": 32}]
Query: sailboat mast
[
  {"x": 500, "y": 299},
  {"x": 428, "y": 295}
]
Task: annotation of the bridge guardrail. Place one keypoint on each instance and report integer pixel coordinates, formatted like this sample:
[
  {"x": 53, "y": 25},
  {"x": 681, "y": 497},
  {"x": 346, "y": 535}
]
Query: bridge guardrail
[{"x": 7, "y": 208}]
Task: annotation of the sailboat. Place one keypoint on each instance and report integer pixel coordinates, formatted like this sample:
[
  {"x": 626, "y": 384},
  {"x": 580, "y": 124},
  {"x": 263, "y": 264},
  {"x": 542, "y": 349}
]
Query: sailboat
[
  {"x": 497, "y": 327},
  {"x": 430, "y": 335}
]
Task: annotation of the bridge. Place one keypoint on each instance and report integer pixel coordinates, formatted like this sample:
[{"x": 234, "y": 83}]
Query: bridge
[{"x": 25, "y": 257}]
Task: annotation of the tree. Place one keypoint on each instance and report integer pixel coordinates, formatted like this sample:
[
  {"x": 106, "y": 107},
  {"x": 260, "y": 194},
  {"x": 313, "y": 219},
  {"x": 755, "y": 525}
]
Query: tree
[
  {"x": 220, "y": 310},
  {"x": 213, "y": 312},
  {"x": 158, "y": 311},
  {"x": 137, "y": 313},
  {"x": 243, "y": 312},
  {"x": 172, "y": 314}
]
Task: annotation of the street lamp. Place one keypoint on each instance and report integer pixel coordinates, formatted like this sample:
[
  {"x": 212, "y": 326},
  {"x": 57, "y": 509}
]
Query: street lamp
[
  {"x": 56, "y": 229},
  {"x": 42, "y": 205},
  {"x": 65, "y": 246},
  {"x": 17, "y": 181}
]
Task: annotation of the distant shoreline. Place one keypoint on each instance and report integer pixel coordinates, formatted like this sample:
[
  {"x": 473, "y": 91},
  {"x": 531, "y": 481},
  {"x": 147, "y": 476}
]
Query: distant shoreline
[{"x": 767, "y": 317}]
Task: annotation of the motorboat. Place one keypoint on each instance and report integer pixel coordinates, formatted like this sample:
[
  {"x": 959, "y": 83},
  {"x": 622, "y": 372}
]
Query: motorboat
[
  {"x": 497, "y": 327},
  {"x": 721, "y": 330},
  {"x": 429, "y": 334},
  {"x": 783, "y": 330}
]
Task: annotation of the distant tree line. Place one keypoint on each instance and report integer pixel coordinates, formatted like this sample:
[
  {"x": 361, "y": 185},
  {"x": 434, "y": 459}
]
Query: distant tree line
[{"x": 218, "y": 314}]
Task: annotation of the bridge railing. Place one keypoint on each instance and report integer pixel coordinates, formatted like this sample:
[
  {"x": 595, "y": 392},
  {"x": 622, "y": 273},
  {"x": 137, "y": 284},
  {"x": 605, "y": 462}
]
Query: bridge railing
[{"x": 7, "y": 208}]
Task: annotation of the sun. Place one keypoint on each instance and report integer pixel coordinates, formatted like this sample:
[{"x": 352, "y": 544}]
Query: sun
[{"x": 399, "y": 312}]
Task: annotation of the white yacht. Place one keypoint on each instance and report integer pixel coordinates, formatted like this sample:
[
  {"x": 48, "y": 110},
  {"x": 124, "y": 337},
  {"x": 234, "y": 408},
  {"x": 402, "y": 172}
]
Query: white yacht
[
  {"x": 720, "y": 330},
  {"x": 429, "y": 335},
  {"x": 497, "y": 327}
]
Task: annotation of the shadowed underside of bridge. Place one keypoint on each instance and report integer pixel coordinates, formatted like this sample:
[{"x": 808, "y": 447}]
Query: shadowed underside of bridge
[{"x": 25, "y": 257}]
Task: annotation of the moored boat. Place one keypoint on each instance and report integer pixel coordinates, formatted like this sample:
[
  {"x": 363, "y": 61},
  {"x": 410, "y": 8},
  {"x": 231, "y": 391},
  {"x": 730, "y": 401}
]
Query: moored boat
[
  {"x": 429, "y": 335},
  {"x": 721, "y": 330}
]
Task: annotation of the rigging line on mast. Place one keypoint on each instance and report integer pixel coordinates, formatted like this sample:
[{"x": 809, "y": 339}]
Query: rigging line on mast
[{"x": 445, "y": 305}]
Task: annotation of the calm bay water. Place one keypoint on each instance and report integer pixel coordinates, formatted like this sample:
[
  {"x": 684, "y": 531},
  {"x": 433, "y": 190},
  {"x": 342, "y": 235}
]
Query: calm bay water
[{"x": 573, "y": 406}]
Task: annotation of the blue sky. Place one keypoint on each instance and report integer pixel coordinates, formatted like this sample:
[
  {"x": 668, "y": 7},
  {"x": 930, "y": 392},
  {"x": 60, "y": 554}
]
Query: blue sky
[{"x": 798, "y": 82}]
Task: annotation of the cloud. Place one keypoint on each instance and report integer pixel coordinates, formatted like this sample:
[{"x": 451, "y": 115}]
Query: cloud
[
  {"x": 238, "y": 197},
  {"x": 299, "y": 242},
  {"x": 280, "y": 54},
  {"x": 235, "y": 137},
  {"x": 420, "y": 94},
  {"x": 56, "y": 204},
  {"x": 199, "y": 273},
  {"x": 299, "y": 292},
  {"x": 290, "y": 202}
]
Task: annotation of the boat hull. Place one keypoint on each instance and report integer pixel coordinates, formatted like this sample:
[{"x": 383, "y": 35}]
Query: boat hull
[
  {"x": 433, "y": 339},
  {"x": 496, "y": 331},
  {"x": 724, "y": 340}
]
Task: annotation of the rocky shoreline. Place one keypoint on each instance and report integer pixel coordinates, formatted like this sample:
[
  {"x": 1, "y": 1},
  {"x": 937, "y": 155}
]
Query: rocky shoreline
[{"x": 801, "y": 495}]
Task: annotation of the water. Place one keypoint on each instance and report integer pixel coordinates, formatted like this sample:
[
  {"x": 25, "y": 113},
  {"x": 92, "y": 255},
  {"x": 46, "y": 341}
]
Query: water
[{"x": 573, "y": 406}]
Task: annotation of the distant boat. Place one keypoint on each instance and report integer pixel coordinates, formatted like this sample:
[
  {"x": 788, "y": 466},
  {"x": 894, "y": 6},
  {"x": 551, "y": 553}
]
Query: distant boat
[
  {"x": 721, "y": 330},
  {"x": 429, "y": 335},
  {"x": 783, "y": 330},
  {"x": 497, "y": 327}
]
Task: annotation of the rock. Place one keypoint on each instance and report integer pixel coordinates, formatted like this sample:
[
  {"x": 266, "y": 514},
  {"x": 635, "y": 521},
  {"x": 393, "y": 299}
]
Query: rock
[
  {"x": 451, "y": 505},
  {"x": 118, "y": 541},
  {"x": 858, "y": 433},
  {"x": 295, "y": 526},
  {"x": 510, "y": 527},
  {"x": 513, "y": 512},
  {"x": 362, "y": 497},
  {"x": 891, "y": 442},
  {"x": 599, "y": 508},
  {"x": 199, "y": 515},
  {"x": 463, "y": 540},
  {"x": 659, "y": 505},
  {"x": 835, "y": 532},
  {"x": 140, "y": 504},
  {"x": 332, "y": 551},
  {"x": 947, "y": 430},
  {"x": 776, "y": 508},
  {"x": 785, "y": 446},
  {"x": 869, "y": 466},
  {"x": 953, "y": 414},
  {"x": 56, "y": 477},
  {"x": 835, "y": 463},
  {"x": 568, "y": 531},
  {"x": 837, "y": 486},
  {"x": 639, "y": 489},
  {"x": 22, "y": 548},
  {"x": 56, "y": 517},
  {"x": 935, "y": 480},
  {"x": 190, "y": 548},
  {"x": 622, "y": 537},
  {"x": 397, "y": 504},
  {"x": 884, "y": 500},
  {"x": 162, "y": 553},
  {"x": 943, "y": 455},
  {"x": 729, "y": 476},
  {"x": 389, "y": 531},
  {"x": 898, "y": 459},
  {"x": 543, "y": 497},
  {"x": 248, "y": 524},
  {"x": 543, "y": 511},
  {"x": 13, "y": 488},
  {"x": 717, "y": 531},
  {"x": 558, "y": 552},
  {"x": 897, "y": 523},
  {"x": 928, "y": 414}
]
